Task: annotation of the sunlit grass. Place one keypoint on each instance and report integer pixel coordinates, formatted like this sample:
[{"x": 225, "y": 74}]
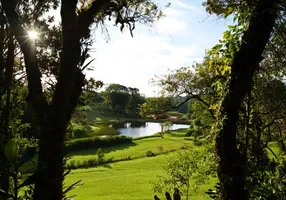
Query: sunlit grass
[
  {"x": 131, "y": 179},
  {"x": 137, "y": 149},
  {"x": 123, "y": 180}
]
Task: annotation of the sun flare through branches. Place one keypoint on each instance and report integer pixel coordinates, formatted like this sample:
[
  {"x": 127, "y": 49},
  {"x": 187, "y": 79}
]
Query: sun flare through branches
[{"x": 33, "y": 34}]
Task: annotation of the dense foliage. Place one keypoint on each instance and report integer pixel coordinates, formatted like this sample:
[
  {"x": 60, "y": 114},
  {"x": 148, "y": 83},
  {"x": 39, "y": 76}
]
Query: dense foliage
[
  {"x": 235, "y": 97},
  {"x": 42, "y": 80}
]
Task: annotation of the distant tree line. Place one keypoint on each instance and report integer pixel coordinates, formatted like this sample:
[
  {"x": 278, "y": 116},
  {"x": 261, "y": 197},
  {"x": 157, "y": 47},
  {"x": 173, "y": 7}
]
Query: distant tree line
[{"x": 124, "y": 100}]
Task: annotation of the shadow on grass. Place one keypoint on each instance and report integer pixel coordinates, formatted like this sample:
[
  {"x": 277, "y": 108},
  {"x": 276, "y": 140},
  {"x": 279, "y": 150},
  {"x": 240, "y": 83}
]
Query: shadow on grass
[
  {"x": 177, "y": 133},
  {"x": 93, "y": 151},
  {"x": 178, "y": 141},
  {"x": 107, "y": 165}
]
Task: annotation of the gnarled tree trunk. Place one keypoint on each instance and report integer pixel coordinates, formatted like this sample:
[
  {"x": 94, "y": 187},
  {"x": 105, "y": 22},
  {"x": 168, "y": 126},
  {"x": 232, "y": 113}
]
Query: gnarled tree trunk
[{"x": 55, "y": 117}]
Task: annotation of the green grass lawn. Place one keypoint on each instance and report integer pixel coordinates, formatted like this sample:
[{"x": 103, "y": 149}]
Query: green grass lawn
[
  {"x": 131, "y": 179},
  {"x": 128, "y": 179},
  {"x": 137, "y": 148},
  {"x": 122, "y": 180}
]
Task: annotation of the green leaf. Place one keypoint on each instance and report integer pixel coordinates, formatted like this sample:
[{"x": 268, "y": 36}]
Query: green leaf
[
  {"x": 10, "y": 151},
  {"x": 226, "y": 35},
  {"x": 228, "y": 11}
]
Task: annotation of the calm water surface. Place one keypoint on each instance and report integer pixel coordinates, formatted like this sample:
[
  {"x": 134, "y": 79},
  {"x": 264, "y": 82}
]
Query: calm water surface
[{"x": 139, "y": 129}]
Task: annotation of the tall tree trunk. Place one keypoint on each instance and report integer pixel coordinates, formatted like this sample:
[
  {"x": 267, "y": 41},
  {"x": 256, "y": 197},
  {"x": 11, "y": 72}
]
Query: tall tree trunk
[
  {"x": 68, "y": 90},
  {"x": 56, "y": 116},
  {"x": 4, "y": 178},
  {"x": 231, "y": 171},
  {"x": 5, "y": 115}
]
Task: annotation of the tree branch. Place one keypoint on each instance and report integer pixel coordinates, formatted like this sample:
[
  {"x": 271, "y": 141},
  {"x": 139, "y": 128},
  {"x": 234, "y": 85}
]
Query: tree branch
[
  {"x": 197, "y": 97},
  {"x": 86, "y": 17},
  {"x": 29, "y": 50}
]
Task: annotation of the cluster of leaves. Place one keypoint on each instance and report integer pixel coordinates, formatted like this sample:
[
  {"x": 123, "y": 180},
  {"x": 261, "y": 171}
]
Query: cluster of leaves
[
  {"x": 60, "y": 64},
  {"x": 186, "y": 170},
  {"x": 121, "y": 99},
  {"x": 17, "y": 152},
  {"x": 261, "y": 116}
]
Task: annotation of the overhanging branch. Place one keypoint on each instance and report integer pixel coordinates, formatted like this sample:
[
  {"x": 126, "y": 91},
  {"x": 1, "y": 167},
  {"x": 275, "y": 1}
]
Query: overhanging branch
[{"x": 28, "y": 49}]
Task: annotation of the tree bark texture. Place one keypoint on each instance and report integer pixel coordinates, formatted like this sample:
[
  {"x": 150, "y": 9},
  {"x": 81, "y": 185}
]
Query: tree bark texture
[
  {"x": 232, "y": 172},
  {"x": 54, "y": 117}
]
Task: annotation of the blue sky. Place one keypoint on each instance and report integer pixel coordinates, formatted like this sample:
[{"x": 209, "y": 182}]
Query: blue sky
[{"x": 177, "y": 40}]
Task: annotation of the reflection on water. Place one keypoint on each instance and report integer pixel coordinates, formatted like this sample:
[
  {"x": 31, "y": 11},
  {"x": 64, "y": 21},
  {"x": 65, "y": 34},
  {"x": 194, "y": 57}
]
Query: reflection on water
[{"x": 140, "y": 129}]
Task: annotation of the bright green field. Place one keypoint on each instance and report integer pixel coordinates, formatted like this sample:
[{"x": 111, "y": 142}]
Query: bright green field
[
  {"x": 128, "y": 179},
  {"x": 122, "y": 180},
  {"x": 138, "y": 148}
]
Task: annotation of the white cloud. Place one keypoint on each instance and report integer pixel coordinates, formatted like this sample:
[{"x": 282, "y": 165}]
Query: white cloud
[
  {"x": 183, "y": 5},
  {"x": 172, "y": 26},
  {"x": 134, "y": 61},
  {"x": 178, "y": 40},
  {"x": 173, "y": 23}
]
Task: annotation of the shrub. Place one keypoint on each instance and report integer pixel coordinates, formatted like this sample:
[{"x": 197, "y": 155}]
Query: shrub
[
  {"x": 160, "y": 148},
  {"x": 198, "y": 142},
  {"x": 195, "y": 131},
  {"x": 96, "y": 142},
  {"x": 100, "y": 156},
  {"x": 149, "y": 154},
  {"x": 78, "y": 130},
  {"x": 186, "y": 170},
  {"x": 79, "y": 133},
  {"x": 184, "y": 147}
]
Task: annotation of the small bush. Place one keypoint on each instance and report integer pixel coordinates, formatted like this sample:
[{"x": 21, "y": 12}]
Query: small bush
[
  {"x": 149, "y": 154},
  {"x": 160, "y": 148},
  {"x": 100, "y": 156},
  {"x": 198, "y": 143},
  {"x": 78, "y": 130},
  {"x": 92, "y": 162},
  {"x": 79, "y": 133},
  {"x": 195, "y": 131},
  {"x": 96, "y": 142},
  {"x": 184, "y": 146}
]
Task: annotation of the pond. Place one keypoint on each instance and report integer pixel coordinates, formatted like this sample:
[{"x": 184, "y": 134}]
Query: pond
[{"x": 140, "y": 129}]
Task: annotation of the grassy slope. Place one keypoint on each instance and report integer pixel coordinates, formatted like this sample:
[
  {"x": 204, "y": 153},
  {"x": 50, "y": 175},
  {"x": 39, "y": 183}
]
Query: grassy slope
[
  {"x": 128, "y": 179},
  {"x": 122, "y": 180},
  {"x": 138, "y": 148}
]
